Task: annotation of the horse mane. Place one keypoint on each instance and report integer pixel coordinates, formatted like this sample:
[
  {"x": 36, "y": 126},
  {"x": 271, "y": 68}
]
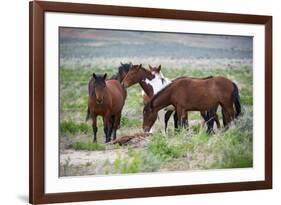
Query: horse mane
[
  {"x": 145, "y": 70},
  {"x": 122, "y": 68}
]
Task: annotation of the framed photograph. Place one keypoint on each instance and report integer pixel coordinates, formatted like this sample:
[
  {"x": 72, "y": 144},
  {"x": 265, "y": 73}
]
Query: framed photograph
[{"x": 132, "y": 102}]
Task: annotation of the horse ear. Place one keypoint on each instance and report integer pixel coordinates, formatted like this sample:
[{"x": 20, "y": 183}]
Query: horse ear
[
  {"x": 121, "y": 63},
  {"x": 104, "y": 77},
  {"x": 140, "y": 65},
  {"x": 94, "y": 76},
  {"x": 159, "y": 68},
  {"x": 150, "y": 67}
]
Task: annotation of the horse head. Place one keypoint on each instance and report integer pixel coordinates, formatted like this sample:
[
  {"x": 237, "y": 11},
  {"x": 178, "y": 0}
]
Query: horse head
[
  {"x": 99, "y": 85},
  {"x": 149, "y": 116},
  {"x": 155, "y": 70},
  {"x": 136, "y": 74}
]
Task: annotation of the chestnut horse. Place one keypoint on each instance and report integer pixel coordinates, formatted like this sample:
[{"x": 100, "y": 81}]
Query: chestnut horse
[
  {"x": 106, "y": 99},
  {"x": 190, "y": 94},
  {"x": 139, "y": 74},
  {"x": 123, "y": 69}
]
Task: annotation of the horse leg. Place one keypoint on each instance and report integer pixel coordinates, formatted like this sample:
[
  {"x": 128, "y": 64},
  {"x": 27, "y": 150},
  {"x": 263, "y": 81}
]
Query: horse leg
[
  {"x": 204, "y": 116},
  {"x": 107, "y": 128},
  {"x": 211, "y": 120},
  {"x": 113, "y": 131},
  {"x": 181, "y": 115},
  {"x": 216, "y": 117},
  {"x": 223, "y": 117},
  {"x": 179, "y": 120},
  {"x": 95, "y": 129},
  {"x": 167, "y": 117},
  {"x": 184, "y": 119},
  {"x": 176, "y": 120},
  {"x": 116, "y": 124},
  {"x": 217, "y": 120},
  {"x": 228, "y": 113}
]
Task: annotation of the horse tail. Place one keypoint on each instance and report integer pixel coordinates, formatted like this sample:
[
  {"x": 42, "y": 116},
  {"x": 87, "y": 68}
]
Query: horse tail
[{"x": 236, "y": 96}]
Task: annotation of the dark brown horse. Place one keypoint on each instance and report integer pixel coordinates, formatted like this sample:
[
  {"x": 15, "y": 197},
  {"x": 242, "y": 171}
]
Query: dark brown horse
[
  {"x": 189, "y": 94},
  {"x": 106, "y": 99}
]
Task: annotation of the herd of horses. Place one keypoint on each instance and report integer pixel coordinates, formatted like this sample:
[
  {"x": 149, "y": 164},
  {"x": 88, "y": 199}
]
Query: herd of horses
[{"x": 107, "y": 97}]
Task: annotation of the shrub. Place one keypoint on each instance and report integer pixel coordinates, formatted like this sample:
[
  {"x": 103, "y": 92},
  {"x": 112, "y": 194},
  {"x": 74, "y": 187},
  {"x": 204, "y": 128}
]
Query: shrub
[{"x": 160, "y": 147}]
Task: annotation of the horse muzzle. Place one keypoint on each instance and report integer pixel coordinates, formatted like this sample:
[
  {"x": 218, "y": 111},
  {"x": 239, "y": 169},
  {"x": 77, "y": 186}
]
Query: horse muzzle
[
  {"x": 146, "y": 130},
  {"x": 99, "y": 101}
]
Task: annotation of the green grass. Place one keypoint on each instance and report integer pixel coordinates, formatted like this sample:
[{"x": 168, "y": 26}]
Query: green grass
[
  {"x": 183, "y": 150},
  {"x": 126, "y": 122},
  {"x": 162, "y": 149},
  {"x": 246, "y": 96},
  {"x": 136, "y": 161},
  {"x": 87, "y": 146},
  {"x": 70, "y": 127},
  {"x": 231, "y": 148}
]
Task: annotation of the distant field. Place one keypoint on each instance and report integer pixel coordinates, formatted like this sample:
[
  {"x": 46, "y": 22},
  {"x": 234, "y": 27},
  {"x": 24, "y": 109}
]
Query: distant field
[{"x": 184, "y": 150}]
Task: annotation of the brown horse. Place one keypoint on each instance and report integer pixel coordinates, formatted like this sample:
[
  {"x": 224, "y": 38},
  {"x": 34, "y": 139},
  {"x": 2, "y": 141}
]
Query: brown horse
[
  {"x": 106, "y": 99},
  {"x": 189, "y": 94},
  {"x": 123, "y": 69},
  {"x": 139, "y": 74}
]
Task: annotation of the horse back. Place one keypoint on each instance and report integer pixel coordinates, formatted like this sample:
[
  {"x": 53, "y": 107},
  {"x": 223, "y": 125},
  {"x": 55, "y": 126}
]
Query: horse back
[{"x": 223, "y": 84}]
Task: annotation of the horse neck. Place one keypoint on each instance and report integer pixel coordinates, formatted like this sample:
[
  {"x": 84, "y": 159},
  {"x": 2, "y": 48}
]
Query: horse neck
[
  {"x": 148, "y": 89},
  {"x": 158, "y": 83},
  {"x": 162, "y": 100}
]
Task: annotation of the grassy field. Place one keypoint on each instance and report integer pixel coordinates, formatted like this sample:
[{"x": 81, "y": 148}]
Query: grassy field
[{"x": 190, "y": 149}]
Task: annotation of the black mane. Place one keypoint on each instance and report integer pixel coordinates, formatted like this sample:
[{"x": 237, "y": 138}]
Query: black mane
[{"x": 123, "y": 68}]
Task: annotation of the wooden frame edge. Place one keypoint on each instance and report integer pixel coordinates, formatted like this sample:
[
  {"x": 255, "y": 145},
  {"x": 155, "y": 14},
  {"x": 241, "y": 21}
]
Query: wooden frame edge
[
  {"x": 268, "y": 101},
  {"x": 36, "y": 104}
]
